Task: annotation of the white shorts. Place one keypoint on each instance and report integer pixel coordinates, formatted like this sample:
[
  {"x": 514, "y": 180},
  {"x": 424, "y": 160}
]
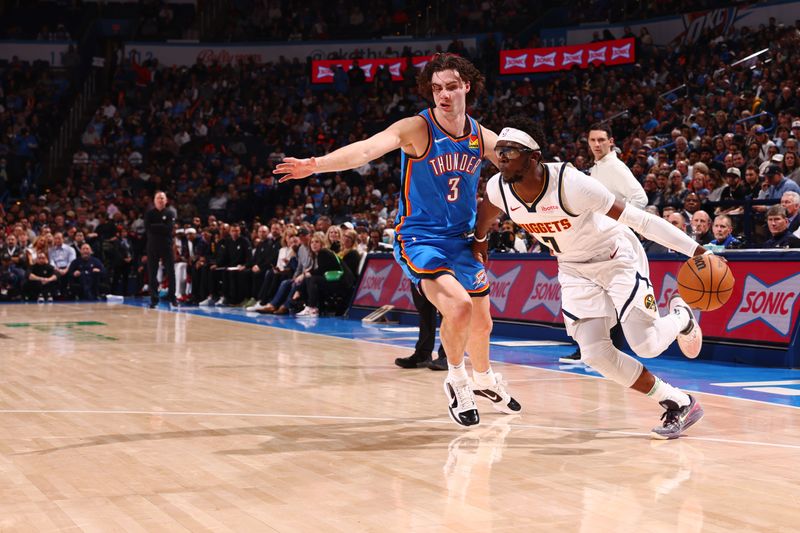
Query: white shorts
[{"x": 608, "y": 287}]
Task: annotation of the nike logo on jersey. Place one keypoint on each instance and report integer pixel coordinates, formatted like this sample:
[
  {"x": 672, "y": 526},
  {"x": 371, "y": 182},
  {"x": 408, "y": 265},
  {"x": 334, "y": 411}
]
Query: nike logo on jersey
[
  {"x": 615, "y": 253},
  {"x": 441, "y": 140},
  {"x": 515, "y": 208}
]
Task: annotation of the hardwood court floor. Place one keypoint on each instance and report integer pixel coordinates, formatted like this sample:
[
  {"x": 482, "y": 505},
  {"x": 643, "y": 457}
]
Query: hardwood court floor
[{"x": 140, "y": 420}]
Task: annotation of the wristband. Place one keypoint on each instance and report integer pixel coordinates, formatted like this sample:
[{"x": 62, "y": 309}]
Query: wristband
[{"x": 476, "y": 239}]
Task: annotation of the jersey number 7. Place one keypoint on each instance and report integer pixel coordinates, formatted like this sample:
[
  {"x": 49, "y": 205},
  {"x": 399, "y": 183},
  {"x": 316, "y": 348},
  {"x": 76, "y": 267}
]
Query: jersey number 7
[{"x": 552, "y": 244}]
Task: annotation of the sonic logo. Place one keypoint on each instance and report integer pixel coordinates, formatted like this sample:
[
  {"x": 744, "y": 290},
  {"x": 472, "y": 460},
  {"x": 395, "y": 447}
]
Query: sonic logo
[
  {"x": 372, "y": 283},
  {"x": 402, "y": 292},
  {"x": 598, "y": 55},
  {"x": 618, "y": 52},
  {"x": 772, "y": 304},
  {"x": 572, "y": 59},
  {"x": 546, "y": 292},
  {"x": 501, "y": 287},
  {"x": 669, "y": 286},
  {"x": 324, "y": 72},
  {"x": 516, "y": 61},
  {"x": 547, "y": 60}
]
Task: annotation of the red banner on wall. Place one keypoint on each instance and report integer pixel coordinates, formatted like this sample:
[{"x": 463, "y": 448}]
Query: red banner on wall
[
  {"x": 553, "y": 59},
  {"x": 763, "y": 308},
  {"x": 322, "y": 70}
]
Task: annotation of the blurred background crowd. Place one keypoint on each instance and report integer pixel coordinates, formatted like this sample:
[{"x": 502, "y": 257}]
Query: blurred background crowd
[{"x": 714, "y": 146}]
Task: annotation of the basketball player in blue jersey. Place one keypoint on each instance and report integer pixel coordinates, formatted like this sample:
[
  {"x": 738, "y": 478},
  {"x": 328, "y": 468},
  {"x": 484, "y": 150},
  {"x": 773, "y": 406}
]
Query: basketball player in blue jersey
[
  {"x": 602, "y": 267},
  {"x": 442, "y": 150}
]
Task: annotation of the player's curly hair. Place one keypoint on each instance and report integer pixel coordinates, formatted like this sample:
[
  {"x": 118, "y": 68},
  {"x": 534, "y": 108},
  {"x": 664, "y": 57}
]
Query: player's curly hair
[
  {"x": 444, "y": 61},
  {"x": 529, "y": 126}
]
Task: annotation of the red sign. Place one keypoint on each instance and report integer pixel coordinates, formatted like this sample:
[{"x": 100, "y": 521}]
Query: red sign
[
  {"x": 617, "y": 52},
  {"x": 322, "y": 70},
  {"x": 763, "y": 308}
]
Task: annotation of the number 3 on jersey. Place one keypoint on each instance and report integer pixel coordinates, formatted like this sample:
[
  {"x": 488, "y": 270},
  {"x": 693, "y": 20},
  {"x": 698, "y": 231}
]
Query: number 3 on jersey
[{"x": 453, "y": 183}]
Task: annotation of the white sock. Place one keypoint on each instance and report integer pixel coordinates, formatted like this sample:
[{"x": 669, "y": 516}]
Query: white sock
[
  {"x": 683, "y": 317},
  {"x": 483, "y": 379},
  {"x": 457, "y": 372},
  {"x": 664, "y": 391}
]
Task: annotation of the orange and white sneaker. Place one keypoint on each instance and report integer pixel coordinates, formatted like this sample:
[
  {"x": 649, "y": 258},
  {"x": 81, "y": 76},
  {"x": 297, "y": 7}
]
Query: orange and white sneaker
[{"x": 690, "y": 340}]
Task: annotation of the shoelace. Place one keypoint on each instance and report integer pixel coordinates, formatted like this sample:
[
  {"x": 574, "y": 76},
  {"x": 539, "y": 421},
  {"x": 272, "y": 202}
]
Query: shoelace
[
  {"x": 671, "y": 416},
  {"x": 464, "y": 396}
]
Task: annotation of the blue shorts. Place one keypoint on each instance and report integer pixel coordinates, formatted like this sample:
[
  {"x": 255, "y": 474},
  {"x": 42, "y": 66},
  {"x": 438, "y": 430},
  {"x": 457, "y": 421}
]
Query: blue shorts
[{"x": 425, "y": 258}]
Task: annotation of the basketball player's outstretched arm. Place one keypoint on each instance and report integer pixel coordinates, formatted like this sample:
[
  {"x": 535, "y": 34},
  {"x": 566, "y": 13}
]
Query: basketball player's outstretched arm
[
  {"x": 654, "y": 228},
  {"x": 406, "y": 133}
]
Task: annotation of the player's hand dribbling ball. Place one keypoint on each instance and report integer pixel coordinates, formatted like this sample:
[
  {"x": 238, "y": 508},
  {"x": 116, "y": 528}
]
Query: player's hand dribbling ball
[{"x": 705, "y": 282}]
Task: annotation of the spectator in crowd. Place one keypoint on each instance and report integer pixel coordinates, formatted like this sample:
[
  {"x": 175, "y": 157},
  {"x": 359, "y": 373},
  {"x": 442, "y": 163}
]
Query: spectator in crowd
[
  {"x": 778, "y": 222},
  {"x": 61, "y": 256},
  {"x": 10, "y": 278},
  {"x": 234, "y": 284},
  {"x": 42, "y": 280},
  {"x": 790, "y": 200},
  {"x": 791, "y": 167},
  {"x": 86, "y": 274},
  {"x": 701, "y": 227},
  {"x": 776, "y": 184},
  {"x": 723, "y": 234},
  {"x": 285, "y": 265},
  {"x": 327, "y": 274}
]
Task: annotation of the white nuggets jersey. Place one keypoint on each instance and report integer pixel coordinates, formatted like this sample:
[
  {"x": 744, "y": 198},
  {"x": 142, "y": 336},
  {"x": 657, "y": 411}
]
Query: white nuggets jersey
[{"x": 569, "y": 216}]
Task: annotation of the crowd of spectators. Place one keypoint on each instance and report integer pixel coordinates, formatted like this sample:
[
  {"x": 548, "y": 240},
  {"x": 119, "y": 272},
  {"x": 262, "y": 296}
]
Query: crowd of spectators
[
  {"x": 210, "y": 135},
  {"x": 31, "y": 101},
  {"x": 293, "y": 20}
]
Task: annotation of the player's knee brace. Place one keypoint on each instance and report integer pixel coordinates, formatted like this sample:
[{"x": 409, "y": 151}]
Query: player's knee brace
[
  {"x": 646, "y": 347},
  {"x": 611, "y": 363}
]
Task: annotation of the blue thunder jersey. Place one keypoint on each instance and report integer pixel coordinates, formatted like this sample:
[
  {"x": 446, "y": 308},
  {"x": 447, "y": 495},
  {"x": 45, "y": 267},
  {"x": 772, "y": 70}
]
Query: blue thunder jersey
[{"x": 439, "y": 188}]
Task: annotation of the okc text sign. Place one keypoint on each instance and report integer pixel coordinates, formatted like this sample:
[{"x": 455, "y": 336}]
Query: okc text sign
[
  {"x": 764, "y": 306},
  {"x": 525, "y": 60}
]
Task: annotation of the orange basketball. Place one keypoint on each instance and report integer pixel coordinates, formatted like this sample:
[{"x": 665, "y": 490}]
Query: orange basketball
[{"x": 705, "y": 282}]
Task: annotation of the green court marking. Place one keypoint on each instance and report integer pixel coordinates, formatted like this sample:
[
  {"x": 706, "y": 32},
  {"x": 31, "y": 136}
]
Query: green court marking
[
  {"x": 65, "y": 329},
  {"x": 68, "y": 324}
]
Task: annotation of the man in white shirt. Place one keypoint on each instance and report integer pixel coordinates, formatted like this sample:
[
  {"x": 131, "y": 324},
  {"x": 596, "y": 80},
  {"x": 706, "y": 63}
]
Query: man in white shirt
[
  {"x": 617, "y": 178},
  {"x": 61, "y": 256}
]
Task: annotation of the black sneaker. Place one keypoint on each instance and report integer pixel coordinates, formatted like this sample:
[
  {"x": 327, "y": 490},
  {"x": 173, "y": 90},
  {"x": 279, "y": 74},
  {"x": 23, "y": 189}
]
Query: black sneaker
[
  {"x": 677, "y": 419},
  {"x": 573, "y": 359},
  {"x": 153, "y": 304},
  {"x": 440, "y": 363},
  {"x": 413, "y": 361}
]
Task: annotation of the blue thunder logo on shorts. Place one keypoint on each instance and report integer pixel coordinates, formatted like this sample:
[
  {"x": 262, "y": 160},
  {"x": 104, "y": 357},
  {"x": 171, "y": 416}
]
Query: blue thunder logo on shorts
[{"x": 440, "y": 187}]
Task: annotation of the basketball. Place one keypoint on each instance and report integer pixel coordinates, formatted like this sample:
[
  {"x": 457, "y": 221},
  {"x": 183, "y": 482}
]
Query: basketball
[{"x": 705, "y": 282}]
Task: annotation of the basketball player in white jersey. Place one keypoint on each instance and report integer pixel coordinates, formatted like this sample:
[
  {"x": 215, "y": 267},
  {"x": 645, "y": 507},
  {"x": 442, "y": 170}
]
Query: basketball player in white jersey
[
  {"x": 617, "y": 178},
  {"x": 602, "y": 267}
]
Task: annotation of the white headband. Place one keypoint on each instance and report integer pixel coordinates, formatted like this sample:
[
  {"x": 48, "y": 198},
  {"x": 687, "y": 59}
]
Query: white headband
[{"x": 518, "y": 136}]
